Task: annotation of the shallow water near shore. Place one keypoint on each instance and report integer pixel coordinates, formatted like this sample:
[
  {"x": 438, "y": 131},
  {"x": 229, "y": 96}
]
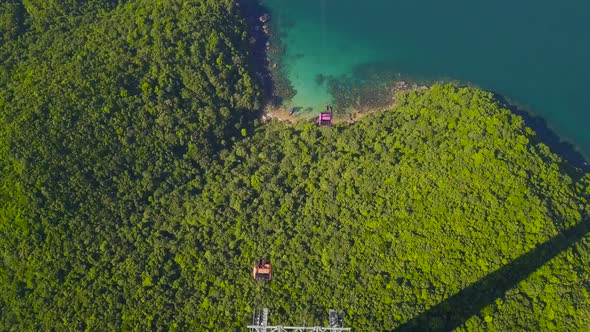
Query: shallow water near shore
[{"x": 535, "y": 53}]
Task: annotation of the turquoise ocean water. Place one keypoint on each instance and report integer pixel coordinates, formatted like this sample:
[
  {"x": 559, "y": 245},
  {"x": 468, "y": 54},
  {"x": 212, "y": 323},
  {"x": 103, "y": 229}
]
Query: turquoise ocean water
[{"x": 536, "y": 53}]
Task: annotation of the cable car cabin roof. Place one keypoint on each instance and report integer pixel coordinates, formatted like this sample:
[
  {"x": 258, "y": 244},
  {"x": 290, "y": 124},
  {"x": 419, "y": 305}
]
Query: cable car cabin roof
[{"x": 262, "y": 270}]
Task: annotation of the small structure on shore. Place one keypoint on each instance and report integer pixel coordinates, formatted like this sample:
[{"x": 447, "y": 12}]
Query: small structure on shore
[{"x": 325, "y": 118}]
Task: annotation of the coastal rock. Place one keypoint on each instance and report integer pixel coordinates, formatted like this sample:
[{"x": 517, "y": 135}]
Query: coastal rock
[{"x": 264, "y": 18}]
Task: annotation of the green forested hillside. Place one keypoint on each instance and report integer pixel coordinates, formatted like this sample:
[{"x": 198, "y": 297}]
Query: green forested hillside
[
  {"x": 391, "y": 216},
  {"x": 103, "y": 113},
  {"x": 137, "y": 190}
]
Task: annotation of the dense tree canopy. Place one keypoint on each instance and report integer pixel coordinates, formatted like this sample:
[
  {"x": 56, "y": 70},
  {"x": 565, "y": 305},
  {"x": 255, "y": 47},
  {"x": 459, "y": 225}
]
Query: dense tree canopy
[
  {"x": 102, "y": 114},
  {"x": 388, "y": 217},
  {"x": 136, "y": 190}
]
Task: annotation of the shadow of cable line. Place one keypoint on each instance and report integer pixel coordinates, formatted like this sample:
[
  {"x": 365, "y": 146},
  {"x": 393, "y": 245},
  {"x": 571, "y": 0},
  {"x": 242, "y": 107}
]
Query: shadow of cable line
[{"x": 454, "y": 311}]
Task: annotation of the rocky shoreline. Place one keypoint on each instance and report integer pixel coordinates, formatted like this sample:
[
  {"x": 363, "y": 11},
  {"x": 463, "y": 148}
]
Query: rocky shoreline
[
  {"x": 268, "y": 52},
  {"x": 546, "y": 135},
  {"x": 353, "y": 100}
]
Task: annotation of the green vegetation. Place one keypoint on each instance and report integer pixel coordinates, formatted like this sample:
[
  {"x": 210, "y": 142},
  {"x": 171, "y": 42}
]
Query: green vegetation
[
  {"x": 137, "y": 190},
  {"x": 392, "y": 215},
  {"x": 105, "y": 112}
]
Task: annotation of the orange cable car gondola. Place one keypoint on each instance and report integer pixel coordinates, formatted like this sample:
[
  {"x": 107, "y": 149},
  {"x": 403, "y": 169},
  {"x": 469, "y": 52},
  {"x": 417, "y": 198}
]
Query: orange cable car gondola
[{"x": 262, "y": 270}]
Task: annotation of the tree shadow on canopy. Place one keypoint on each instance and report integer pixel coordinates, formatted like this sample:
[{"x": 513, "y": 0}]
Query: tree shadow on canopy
[{"x": 454, "y": 311}]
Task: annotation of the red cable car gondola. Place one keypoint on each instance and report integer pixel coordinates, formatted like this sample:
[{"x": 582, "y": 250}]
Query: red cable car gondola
[{"x": 262, "y": 270}]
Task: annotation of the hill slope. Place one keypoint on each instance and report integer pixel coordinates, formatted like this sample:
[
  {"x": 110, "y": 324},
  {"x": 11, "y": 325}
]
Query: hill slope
[
  {"x": 104, "y": 111},
  {"x": 386, "y": 218}
]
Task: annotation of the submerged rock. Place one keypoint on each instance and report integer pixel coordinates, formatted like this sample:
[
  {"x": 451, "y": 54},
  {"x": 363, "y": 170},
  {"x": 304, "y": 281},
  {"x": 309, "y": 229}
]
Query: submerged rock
[{"x": 264, "y": 18}]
